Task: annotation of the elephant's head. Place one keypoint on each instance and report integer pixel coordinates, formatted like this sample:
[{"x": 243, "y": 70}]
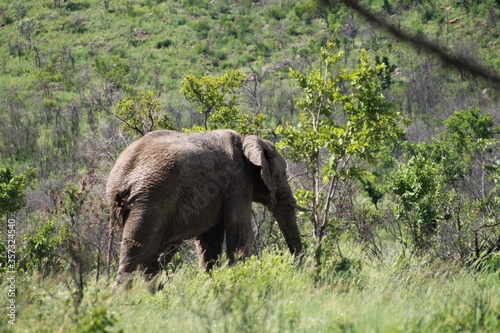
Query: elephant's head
[{"x": 271, "y": 187}]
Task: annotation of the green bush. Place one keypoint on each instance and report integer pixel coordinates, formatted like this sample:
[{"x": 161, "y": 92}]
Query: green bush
[
  {"x": 20, "y": 9},
  {"x": 428, "y": 14},
  {"x": 203, "y": 27},
  {"x": 418, "y": 188},
  {"x": 41, "y": 250},
  {"x": 113, "y": 69},
  {"x": 12, "y": 189},
  {"x": 99, "y": 320},
  {"x": 305, "y": 11},
  {"x": 166, "y": 43},
  {"x": 277, "y": 12},
  {"x": 431, "y": 186}
]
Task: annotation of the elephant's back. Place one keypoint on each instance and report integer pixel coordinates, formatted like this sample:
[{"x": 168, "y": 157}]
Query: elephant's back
[
  {"x": 145, "y": 162},
  {"x": 168, "y": 158}
]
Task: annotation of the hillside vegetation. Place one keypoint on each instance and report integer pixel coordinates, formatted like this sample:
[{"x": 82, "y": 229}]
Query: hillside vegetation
[{"x": 394, "y": 154}]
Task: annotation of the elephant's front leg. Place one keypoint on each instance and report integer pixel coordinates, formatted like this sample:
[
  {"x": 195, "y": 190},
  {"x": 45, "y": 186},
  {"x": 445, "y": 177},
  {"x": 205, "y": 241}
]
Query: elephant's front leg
[
  {"x": 239, "y": 230},
  {"x": 167, "y": 254},
  {"x": 209, "y": 247}
]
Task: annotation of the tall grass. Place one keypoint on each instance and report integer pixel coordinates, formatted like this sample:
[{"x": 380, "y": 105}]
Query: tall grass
[{"x": 274, "y": 294}]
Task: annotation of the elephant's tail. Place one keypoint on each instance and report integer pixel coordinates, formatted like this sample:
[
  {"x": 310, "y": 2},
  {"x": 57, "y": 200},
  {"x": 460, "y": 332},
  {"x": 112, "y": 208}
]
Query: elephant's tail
[
  {"x": 118, "y": 215},
  {"x": 120, "y": 209}
]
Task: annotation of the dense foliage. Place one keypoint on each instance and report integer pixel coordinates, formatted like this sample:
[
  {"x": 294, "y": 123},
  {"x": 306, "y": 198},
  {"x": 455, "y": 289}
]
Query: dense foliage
[{"x": 394, "y": 154}]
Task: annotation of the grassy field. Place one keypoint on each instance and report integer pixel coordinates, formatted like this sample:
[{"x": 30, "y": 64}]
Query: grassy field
[{"x": 273, "y": 294}]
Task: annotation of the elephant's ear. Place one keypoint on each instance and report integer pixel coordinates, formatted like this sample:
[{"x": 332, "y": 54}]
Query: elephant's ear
[{"x": 254, "y": 149}]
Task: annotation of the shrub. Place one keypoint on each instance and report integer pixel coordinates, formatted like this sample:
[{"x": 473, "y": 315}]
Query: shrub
[
  {"x": 445, "y": 182},
  {"x": 164, "y": 43},
  {"x": 113, "y": 69},
  {"x": 277, "y": 12},
  {"x": 12, "y": 189},
  {"x": 203, "y": 27},
  {"x": 20, "y": 9},
  {"x": 418, "y": 188},
  {"x": 41, "y": 250},
  {"x": 305, "y": 11},
  {"x": 99, "y": 320}
]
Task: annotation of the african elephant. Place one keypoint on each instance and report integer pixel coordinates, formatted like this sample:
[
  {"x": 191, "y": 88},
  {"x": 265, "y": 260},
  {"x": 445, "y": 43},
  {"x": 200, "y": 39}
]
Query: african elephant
[{"x": 168, "y": 187}]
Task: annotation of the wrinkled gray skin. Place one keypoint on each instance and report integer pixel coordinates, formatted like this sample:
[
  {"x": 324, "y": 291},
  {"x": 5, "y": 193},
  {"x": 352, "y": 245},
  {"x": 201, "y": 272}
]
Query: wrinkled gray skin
[{"x": 168, "y": 187}]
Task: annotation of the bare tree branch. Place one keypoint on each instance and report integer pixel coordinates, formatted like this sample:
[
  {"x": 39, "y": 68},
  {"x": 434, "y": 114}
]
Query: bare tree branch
[{"x": 474, "y": 69}]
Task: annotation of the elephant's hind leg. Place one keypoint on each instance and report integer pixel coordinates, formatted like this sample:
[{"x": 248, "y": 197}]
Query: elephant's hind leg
[
  {"x": 132, "y": 257},
  {"x": 139, "y": 247},
  {"x": 209, "y": 247}
]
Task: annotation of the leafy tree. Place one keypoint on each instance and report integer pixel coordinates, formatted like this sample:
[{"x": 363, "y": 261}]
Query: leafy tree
[
  {"x": 215, "y": 96},
  {"x": 218, "y": 103},
  {"x": 418, "y": 186},
  {"x": 311, "y": 9},
  {"x": 41, "y": 249},
  {"x": 467, "y": 134},
  {"x": 141, "y": 115},
  {"x": 20, "y": 9},
  {"x": 27, "y": 28},
  {"x": 344, "y": 121},
  {"x": 81, "y": 233},
  {"x": 11, "y": 199},
  {"x": 386, "y": 74},
  {"x": 445, "y": 181},
  {"x": 114, "y": 70},
  {"x": 12, "y": 189}
]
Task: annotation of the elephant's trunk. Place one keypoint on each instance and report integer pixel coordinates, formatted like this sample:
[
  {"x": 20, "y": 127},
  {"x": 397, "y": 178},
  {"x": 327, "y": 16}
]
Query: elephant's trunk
[{"x": 287, "y": 221}]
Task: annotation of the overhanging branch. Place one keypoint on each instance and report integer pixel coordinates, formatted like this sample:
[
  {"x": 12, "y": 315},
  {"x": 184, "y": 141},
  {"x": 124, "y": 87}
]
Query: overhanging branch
[{"x": 460, "y": 63}]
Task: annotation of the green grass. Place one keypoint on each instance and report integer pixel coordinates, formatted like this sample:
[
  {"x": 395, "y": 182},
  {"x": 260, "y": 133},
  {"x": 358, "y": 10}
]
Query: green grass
[{"x": 272, "y": 294}]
